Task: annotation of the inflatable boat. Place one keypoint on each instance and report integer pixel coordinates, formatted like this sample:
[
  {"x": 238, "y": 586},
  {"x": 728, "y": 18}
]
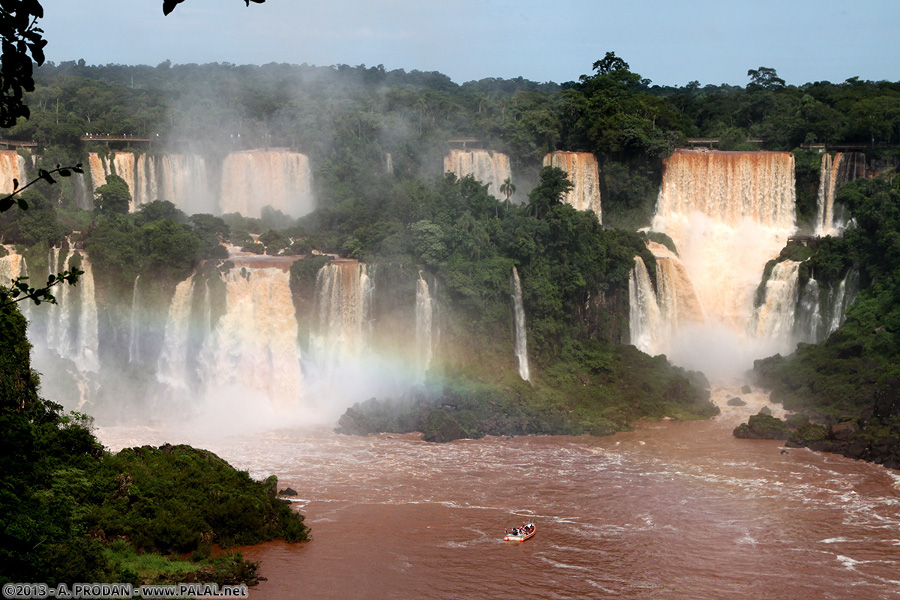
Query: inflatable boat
[{"x": 520, "y": 534}]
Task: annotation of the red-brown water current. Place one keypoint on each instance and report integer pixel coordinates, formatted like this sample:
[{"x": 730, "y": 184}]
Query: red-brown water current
[{"x": 670, "y": 510}]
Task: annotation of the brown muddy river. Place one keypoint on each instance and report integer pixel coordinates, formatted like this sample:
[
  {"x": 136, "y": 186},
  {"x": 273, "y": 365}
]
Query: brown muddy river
[{"x": 670, "y": 510}]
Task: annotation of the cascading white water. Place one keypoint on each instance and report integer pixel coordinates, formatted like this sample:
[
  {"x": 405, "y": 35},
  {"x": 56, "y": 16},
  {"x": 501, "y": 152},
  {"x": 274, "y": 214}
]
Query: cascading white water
[
  {"x": 827, "y": 191},
  {"x": 521, "y": 339},
  {"x": 118, "y": 163},
  {"x": 833, "y": 173},
  {"x": 12, "y": 166},
  {"x": 774, "y": 317},
  {"x": 87, "y": 352},
  {"x": 54, "y": 311},
  {"x": 424, "y": 347},
  {"x": 279, "y": 178},
  {"x": 342, "y": 313},
  {"x": 584, "y": 174},
  {"x": 11, "y": 267},
  {"x": 821, "y": 308},
  {"x": 173, "y": 368},
  {"x": 72, "y": 324},
  {"x": 728, "y": 213},
  {"x": 678, "y": 302},
  {"x": 182, "y": 179},
  {"x": 134, "y": 330},
  {"x": 644, "y": 317},
  {"x": 146, "y": 185},
  {"x": 251, "y": 359},
  {"x": 250, "y": 180},
  {"x": 808, "y": 319},
  {"x": 487, "y": 167},
  {"x": 179, "y": 178}
]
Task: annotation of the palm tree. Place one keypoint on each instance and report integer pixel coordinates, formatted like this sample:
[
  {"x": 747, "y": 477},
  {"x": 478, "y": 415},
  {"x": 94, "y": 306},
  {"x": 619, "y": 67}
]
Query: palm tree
[{"x": 508, "y": 189}]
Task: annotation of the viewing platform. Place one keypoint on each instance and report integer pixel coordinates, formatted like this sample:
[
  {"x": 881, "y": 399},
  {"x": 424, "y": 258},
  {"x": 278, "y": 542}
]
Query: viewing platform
[
  {"x": 821, "y": 148},
  {"x": 713, "y": 142},
  {"x": 118, "y": 139},
  {"x": 464, "y": 143},
  {"x": 16, "y": 144},
  {"x": 803, "y": 240}
]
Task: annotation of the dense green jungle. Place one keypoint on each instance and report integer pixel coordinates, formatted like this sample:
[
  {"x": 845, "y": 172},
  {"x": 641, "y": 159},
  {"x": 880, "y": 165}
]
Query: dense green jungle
[{"x": 72, "y": 512}]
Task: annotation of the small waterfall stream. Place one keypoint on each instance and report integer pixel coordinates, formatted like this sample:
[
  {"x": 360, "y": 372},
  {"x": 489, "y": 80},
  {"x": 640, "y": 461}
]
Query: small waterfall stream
[{"x": 521, "y": 335}]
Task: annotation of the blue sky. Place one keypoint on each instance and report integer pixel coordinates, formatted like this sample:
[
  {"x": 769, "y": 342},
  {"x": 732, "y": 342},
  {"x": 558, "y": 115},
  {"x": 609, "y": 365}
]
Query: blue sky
[{"x": 670, "y": 43}]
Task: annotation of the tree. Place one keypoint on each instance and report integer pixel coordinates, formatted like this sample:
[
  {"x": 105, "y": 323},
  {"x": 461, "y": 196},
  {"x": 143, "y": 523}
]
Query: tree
[
  {"x": 114, "y": 195},
  {"x": 554, "y": 184},
  {"x": 610, "y": 63},
  {"x": 765, "y": 77},
  {"x": 508, "y": 189},
  {"x": 21, "y": 43}
]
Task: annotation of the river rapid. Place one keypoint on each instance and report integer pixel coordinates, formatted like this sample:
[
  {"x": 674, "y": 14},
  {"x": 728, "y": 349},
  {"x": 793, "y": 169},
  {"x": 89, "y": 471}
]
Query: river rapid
[{"x": 670, "y": 510}]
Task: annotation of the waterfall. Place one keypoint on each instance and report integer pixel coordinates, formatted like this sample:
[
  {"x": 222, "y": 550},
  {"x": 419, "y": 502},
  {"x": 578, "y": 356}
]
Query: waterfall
[
  {"x": 843, "y": 297},
  {"x": 87, "y": 353},
  {"x": 84, "y": 195},
  {"x": 424, "y": 348},
  {"x": 251, "y": 358},
  {"x": 675, "y": 297},
  {"x": 388, "y": 163},
  {"x": 179, "y": 178},
  {"x": 53, "y": 310},
  {"x": 808, "y": 317},
  {"x": 134, "y": 331},
  {"x": 833, "y": 173},
  {"x": 98, "y": 170},
  {"x": 173, "y": 368},
  {"x": 584, "y": 173},
  {"x": 521, "y": 335},
  {"x": 826, "y": 193},
  {"x": 72, "y": 324},
  {"x": 118, "y": 163},
  {"x": 11, "y": 267},
  {"x": 728, "y": 214},
  {"x": 250, "y": 180},
  {"x": 342, "y": 313},
  {"x": 12, "y": 166},
  {"x": 256, "y": 178},
  {"x": 729, "y": 187},
  {"x": 644, "y": 316},
  {"x": 487, "y": 167},
  {"x": 146, "y": 187},
  {"x": 774, "y": 317},
  {"x": 182, "y": 179},
  {"x": 821, "y": 308}
]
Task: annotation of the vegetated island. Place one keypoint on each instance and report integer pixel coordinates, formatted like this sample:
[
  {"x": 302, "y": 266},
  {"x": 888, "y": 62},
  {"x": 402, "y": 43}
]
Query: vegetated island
[
  {"x": 596, "y": 388},
  {"x": 71, "y": 511}
]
